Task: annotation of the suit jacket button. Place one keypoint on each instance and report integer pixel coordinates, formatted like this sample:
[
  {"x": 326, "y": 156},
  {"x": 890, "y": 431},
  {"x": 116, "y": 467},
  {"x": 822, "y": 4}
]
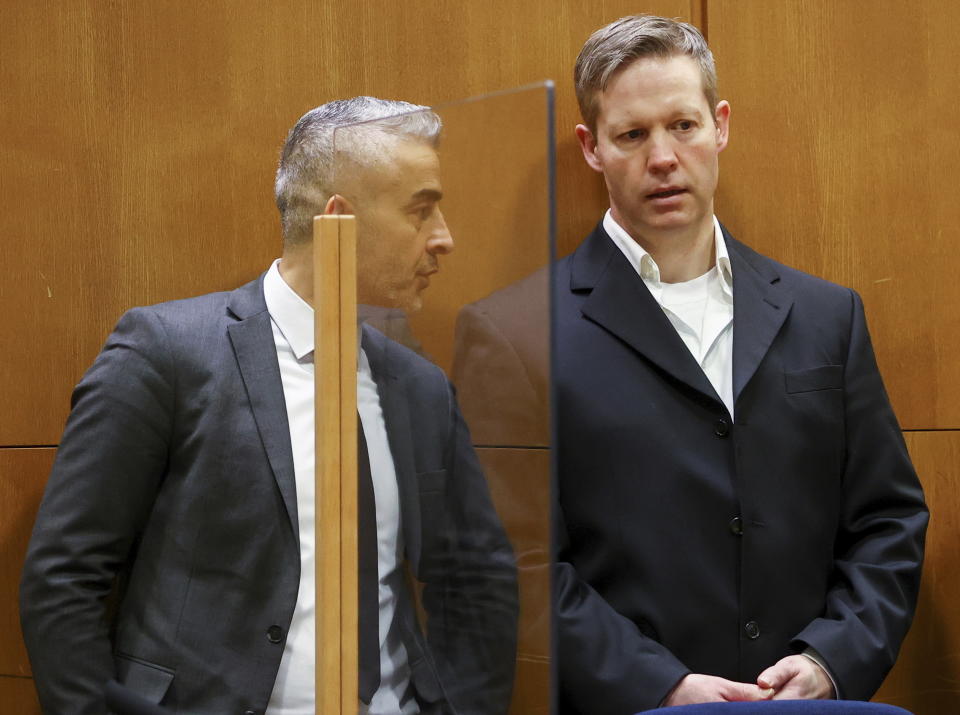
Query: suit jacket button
[
  {"x": 721, "y": 428},
  {"x": 752, "y": 629},
  {"x": 736, "y": 526},
  {"x": 274, "y": 634}
]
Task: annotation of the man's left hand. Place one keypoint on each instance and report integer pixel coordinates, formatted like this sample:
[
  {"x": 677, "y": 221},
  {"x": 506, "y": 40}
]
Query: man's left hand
[{"x": 796, "y": 677}]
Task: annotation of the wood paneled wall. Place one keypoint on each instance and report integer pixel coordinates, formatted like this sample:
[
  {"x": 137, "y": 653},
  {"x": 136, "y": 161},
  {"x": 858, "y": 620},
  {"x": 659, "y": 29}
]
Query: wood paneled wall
[
  {"x": 139, "y": 142},
  {"x": 23, "y": 473}
]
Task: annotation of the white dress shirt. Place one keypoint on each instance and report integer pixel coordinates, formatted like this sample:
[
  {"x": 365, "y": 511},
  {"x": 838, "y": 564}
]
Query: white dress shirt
[
  {"x": 293, "y": 692},
  {"x": 700, "y": 310}
]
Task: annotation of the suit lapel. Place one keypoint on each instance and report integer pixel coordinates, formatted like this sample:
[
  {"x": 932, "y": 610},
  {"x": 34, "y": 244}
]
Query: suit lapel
[
  {"x": 620, "y": 302},
  {"x": 396, "y": 415},
  {"x": 760, "y": 307},
  {"x": 256, "y": 353}
]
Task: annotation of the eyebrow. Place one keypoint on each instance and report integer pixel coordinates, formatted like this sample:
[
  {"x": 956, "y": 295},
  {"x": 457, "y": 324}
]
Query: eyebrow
[
  {"x": 426, "y": 195},
  {"x": 677, "y": 113}
]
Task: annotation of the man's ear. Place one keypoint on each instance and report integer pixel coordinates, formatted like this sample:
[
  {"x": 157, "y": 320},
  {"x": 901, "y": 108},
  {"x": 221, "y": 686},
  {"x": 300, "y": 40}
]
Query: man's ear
[
  {"x": 337, "y": 205},
  {"x": 588, "y": 145},
  {"x": 723, "y": 124}
]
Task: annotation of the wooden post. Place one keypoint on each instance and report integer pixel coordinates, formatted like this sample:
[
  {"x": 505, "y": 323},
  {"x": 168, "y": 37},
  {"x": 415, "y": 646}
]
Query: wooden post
[{"x": 335, "y": 363}]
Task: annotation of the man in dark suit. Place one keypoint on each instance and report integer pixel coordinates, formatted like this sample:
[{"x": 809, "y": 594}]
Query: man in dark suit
[
  {"x": 186, "y": 474},
  {"x": 738, "y": 515},
  {"x": 742, "y": 520}
]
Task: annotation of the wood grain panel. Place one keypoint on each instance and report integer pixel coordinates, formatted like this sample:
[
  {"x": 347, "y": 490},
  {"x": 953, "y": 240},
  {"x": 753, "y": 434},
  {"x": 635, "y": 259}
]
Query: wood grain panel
[
  {"x": 140, "y": 141},
  {"x": 335, "y": 499},
  {"x": 23, "y": 475},
  {"x": 842, "y": 162},
  {"x": 18, "y": 696},
  {"x": 926, "y": 678}
]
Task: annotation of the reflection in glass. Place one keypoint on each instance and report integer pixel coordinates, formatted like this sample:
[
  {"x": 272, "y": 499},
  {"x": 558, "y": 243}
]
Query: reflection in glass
[{"x": 453, "y": 235}]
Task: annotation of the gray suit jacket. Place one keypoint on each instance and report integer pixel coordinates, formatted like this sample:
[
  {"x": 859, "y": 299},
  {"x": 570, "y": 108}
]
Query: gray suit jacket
[{"x": 174, "y": 488}]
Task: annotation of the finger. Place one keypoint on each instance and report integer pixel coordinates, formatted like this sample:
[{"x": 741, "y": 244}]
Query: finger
[
  {"x": 778, "y": 675},
  {"x": 733, "y": 691},
  {"x": 792, "y": 690}
]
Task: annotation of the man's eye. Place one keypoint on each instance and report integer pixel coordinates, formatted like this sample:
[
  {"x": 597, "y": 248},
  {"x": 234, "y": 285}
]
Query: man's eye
[
  {"x": 685, "y": 125},
  {"x": 634, "y": 134},
  {"x": 425, "y": 212}
]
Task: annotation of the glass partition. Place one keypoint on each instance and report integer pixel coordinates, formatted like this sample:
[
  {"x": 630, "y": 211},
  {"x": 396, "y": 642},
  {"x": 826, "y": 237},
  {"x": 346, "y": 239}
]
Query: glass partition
[{"x": 454, "y": 238}]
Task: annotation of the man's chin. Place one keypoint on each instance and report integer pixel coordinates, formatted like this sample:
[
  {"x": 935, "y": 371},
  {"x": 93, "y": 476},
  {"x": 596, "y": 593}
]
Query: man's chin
[
  {"x": 412, "y": 306},
  {"x": 671, "y": 222},
  {"x": 406, "y": 303}
]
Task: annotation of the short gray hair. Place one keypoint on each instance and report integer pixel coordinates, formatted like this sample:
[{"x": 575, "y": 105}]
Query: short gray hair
[
  {"x": 306, "y": 173},
  {"x": 631, "y": 38}
]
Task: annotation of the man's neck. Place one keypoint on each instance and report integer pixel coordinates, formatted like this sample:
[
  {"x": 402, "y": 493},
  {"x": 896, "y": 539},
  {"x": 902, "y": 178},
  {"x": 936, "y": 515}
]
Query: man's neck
[
  {"x": 681, "y": 256},
  {"x": 296, "y": 269}
]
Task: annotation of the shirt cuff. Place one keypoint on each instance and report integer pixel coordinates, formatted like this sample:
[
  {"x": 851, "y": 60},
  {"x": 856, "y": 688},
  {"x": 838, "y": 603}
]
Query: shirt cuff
[{"x": 812, "y": 654}]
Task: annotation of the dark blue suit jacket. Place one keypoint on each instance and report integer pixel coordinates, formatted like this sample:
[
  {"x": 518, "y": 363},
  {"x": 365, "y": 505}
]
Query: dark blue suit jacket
[
  {"x": 175, "y": 475},
  {"x": 691, "y": 541}
]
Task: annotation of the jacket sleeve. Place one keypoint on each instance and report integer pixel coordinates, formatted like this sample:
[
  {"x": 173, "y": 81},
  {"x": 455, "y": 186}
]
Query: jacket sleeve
[
  {"x": 878, "y": 552},
  {"x": 602, "y": 651},
  {"x": 109, "y": 465}
]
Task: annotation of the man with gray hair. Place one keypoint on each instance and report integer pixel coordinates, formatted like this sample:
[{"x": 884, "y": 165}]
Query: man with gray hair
[
  {"x": 739, "y": 518},
  {"x": 184, "y": 482}
]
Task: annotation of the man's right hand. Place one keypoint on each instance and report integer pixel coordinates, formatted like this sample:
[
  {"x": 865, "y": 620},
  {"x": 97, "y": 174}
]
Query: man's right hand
[{"x": 697, "y": 688}]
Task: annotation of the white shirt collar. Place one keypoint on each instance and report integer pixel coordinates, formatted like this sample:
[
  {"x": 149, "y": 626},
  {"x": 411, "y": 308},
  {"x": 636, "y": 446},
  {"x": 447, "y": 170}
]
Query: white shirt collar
[
  {"x": 648, "y": 269},
  {"x": 291, "y": 313}
]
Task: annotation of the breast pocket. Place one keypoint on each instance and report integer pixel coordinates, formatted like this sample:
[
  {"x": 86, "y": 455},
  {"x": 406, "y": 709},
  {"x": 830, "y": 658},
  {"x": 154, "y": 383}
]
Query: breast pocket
[
  {"x": 813, "y": 419},
  {"x": 814, "y": 379},
  {"x": 149, "y": 680}
]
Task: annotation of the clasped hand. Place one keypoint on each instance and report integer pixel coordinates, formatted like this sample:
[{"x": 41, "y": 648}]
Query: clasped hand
[{"x": 795, "y": 677}]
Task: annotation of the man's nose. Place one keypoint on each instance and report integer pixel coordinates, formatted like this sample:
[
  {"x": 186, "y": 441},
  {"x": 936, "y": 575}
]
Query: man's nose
[
  {"x": 440, "y": 242},
  {"x": 662, "y": 158}
]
